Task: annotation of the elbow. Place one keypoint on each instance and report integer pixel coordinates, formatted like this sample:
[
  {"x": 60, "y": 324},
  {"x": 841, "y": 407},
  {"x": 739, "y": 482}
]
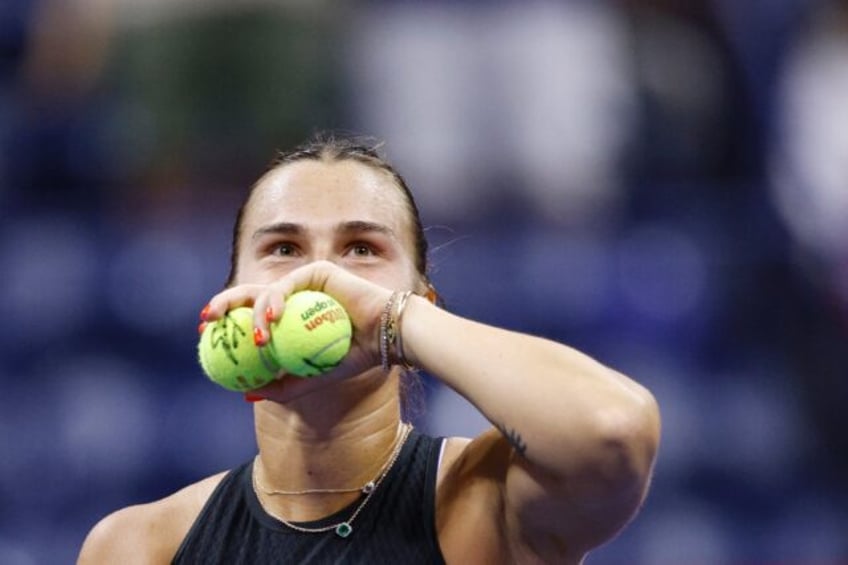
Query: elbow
[{"x": 626, "y": 442}]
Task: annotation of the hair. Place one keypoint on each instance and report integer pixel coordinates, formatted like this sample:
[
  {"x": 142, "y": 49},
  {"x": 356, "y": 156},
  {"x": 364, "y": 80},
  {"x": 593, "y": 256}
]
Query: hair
[{"x": 331, "y": 147}]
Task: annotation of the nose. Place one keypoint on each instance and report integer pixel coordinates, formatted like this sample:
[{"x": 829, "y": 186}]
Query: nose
[{"x": 322, "y": 251}]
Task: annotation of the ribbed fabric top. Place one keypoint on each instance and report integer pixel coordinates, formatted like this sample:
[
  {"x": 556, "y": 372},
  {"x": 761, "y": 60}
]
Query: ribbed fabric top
[{"x": 398, "y": 524}]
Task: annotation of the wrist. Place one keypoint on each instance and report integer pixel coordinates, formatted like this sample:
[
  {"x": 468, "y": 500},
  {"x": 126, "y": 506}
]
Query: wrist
[{"x": 391, "y": 331}]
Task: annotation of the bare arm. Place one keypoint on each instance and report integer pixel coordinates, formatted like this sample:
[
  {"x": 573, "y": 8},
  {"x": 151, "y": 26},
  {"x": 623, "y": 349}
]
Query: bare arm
[
  {"x": 583, "y": 437},
  {"x": 147, "y": 533},
  {"x": 580, "y": 438},
  {"x": 133, "y": 535}
]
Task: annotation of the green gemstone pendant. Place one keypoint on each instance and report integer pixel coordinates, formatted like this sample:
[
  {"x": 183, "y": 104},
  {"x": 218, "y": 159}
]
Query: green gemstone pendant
[{"x": 344, "y": 529}]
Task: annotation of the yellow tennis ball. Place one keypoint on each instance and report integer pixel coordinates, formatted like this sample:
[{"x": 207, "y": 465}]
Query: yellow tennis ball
[
  {"x": 230, "y": 358},
  {"x": 313, "y": 335}
]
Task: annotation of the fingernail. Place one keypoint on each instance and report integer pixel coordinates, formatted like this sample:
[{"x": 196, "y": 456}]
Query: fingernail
[
  {"x": 250, "y": 397},
  {"x": 269, "y": 314},
  {"x": 201, "y": 327},
  {"x": 205, "y": 312},
  {"x": 258, "y": 336}
]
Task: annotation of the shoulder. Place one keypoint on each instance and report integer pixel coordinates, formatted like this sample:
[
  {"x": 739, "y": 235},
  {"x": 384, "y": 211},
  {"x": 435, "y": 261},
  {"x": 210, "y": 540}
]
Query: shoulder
[{"x": 147, "y": 533}]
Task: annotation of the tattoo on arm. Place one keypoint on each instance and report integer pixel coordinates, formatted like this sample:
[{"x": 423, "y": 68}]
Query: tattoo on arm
[{"x": 513, "y": 437}]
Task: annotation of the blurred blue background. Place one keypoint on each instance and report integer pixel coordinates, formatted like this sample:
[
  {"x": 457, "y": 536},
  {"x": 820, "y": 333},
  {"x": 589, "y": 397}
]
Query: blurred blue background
[{"x": 661, "y": 184}]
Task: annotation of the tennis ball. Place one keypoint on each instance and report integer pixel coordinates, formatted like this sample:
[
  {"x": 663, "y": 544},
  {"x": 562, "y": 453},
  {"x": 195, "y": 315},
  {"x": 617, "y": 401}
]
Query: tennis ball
[
  {"x": 229, "y": 356},
  {"x": 312, "y": 336}
]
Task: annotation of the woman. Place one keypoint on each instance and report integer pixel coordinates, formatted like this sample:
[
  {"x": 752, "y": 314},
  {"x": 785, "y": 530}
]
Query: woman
[{"x": 339, "y": 477}]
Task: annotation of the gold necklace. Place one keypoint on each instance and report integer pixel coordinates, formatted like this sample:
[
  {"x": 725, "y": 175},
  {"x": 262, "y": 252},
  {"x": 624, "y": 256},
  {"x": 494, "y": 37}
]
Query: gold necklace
[
  {"x": 344, "y": 528},
  {"x": 364, "y": 489}
]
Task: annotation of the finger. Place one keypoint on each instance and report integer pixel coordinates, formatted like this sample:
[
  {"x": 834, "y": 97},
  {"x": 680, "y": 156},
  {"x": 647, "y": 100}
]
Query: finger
[
  {"x": 276, "y": 305},
  {"x": 260, "y": 323},
  {"x": 223, "y": 302},
  {"x": 313, "y": 276},
  {"x": 266, "y": 309},
  {"x": 269, "y": 306}
]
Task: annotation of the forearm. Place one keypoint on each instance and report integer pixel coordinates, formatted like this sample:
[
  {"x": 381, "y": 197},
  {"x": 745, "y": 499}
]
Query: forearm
[{"x": 563, "y": 411}]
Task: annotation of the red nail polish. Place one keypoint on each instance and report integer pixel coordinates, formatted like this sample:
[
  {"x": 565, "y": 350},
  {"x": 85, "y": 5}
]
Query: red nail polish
[
  {"x": 250, "y": 397},
  {"x": 205, "y": 312},
  {"x": 269, "y": 314},
  {"x": 258, "y": 337},
  {"x": 201, "y": 327}
]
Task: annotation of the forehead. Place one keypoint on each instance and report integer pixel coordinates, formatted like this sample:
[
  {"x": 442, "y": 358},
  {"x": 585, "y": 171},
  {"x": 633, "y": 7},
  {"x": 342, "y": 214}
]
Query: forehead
[{"x": 318, "y": 193}]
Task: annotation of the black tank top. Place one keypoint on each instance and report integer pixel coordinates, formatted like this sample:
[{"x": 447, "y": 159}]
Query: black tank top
[{"x": 398, "y": 524}]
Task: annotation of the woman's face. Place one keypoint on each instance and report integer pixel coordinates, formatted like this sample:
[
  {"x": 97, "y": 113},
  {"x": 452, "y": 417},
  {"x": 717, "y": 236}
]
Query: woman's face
[{"x": 343, "y": 211}]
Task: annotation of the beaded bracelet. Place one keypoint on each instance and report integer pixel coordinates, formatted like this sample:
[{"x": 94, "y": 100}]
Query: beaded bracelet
[
  {"x": 391, "y": 342},
  {"x": 398, "y": 341},
  {"x": 384, "y": 330}
]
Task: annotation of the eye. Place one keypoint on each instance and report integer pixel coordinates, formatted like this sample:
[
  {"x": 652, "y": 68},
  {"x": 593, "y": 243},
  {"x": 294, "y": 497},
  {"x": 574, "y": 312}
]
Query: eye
[
  {"x": 361, "y": 249},
  {"x": 284, "y": 250}
]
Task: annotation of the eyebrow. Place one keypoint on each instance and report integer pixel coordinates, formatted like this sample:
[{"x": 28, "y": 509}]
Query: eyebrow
[{"x": 354, "y": 226}]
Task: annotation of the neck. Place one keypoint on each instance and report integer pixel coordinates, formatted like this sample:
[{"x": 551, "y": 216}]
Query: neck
[{"x": 337, "y": 436}]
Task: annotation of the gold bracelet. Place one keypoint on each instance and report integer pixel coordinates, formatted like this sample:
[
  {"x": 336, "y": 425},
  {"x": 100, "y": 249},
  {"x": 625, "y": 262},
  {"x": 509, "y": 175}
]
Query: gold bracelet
[
  {"x": 386, "y": 332},
  {"x": 398, "y": 342},
  {"x": 391, "y": 342}
]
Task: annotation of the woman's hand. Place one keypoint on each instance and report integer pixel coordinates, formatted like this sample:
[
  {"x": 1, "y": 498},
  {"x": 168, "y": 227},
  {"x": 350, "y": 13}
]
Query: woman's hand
[{"x": 362, "y": 299}]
